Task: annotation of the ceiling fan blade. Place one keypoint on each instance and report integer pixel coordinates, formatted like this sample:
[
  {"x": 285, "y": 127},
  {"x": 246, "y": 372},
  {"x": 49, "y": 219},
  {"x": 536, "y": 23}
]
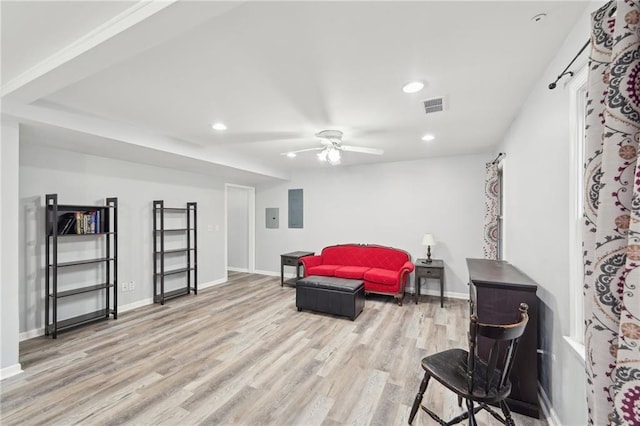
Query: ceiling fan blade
[
  {"x": 302, "y": 150},
  {"x": 362, "y": 149}
]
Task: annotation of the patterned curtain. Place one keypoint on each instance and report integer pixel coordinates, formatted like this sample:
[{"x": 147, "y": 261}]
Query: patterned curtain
[
  {"x": 611, "y": 235},
  {"x": 491, "y": 211}
]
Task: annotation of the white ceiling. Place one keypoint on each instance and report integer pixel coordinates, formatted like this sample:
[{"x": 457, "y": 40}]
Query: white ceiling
[{"x": 276, "y": 73}]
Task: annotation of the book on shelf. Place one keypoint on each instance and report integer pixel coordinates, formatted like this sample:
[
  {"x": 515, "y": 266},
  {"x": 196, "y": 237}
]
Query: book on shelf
[
  {"x": 79, "y": 222},
  {"x": 89, "y": 225}
]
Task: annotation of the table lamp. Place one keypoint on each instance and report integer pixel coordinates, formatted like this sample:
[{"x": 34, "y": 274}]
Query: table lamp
[{"x": 427, "y": 240}]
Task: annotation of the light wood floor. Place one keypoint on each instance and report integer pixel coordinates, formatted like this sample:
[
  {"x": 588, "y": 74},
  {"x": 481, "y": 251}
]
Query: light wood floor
[{"x": 240, "y": 353}]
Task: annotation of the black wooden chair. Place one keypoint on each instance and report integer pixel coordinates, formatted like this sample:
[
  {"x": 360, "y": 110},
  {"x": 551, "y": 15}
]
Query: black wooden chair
[{"x": 473, "y": 379}]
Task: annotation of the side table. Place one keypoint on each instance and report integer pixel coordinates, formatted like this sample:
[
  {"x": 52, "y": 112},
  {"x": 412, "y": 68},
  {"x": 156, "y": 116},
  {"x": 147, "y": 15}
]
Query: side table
[
  {"x": 433, "y": 269},
  {"x": 292, "y": 259}
]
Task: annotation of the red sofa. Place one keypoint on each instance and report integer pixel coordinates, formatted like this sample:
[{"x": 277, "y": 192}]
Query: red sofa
[{"x": 384, "y": 270}]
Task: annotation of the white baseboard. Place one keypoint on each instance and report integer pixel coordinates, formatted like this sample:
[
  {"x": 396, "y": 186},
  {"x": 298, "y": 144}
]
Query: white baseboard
[
  {"x": 231, "y": 268},
  {"x": 547, "y": 409},
  {"x": 273, "y": 274},
  {"x": 447, "y": 294},
  {"x": 145, "y": 302},
  {"x": 212, "y": 283},
  {"x": 263, "y": 272},
  {"x": 31, "y": 334},
  {"x": 134, "y": 305},
  {"x": 10, "y": 371},
  {"x": 122, "y": 308}
]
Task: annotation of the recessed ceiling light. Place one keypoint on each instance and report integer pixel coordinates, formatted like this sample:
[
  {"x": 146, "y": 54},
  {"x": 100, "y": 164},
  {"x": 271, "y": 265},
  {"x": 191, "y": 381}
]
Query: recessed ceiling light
[
  {"x": 413, "y": 87},
  {"x": 291, "y": 154},
  {"x": 428, "y": 137},
  {"x": 219, "y": 126}
]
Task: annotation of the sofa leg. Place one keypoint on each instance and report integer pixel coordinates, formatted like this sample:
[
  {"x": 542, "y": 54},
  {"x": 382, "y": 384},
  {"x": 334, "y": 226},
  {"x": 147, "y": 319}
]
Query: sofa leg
[{"x": 399, "y": 299}]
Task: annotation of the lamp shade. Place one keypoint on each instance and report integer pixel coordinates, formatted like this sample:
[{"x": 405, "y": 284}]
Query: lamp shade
[{"x": 427, "y": 240}]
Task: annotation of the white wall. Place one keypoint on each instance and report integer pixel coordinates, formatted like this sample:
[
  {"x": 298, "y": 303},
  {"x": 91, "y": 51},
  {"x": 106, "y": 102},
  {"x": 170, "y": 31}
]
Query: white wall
[
  {"x": 238, "y": 228},
  {"x": 537, "y": 223},
  {"x": 9, "y": 364},
  {"x": 391, "y": 204},
  {"x": 84, "y": 179}
]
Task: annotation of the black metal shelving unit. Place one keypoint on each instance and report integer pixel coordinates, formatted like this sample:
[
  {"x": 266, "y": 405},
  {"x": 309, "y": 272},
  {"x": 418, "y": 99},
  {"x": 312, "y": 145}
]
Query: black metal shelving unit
[
  {"x": 71, "y": 222},
  {"x": 190, "y": 269}
]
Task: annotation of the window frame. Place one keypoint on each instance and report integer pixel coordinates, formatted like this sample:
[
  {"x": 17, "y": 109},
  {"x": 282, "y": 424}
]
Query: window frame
[
  {"x": 501, "y": 216},
  {"x": 577, "y": 106}
]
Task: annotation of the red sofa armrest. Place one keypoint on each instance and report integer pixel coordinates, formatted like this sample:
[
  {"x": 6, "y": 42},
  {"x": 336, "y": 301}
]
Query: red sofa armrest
[
  {"x": 404, "y": 274},
  {"x": 309, "y": 261}
]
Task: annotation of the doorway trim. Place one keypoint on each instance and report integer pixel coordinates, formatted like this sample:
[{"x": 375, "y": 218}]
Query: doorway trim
[{"x": 252, "y": 226}]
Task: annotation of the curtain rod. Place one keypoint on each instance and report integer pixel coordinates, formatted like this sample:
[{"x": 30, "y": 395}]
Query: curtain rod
[
  {"x": 565, "y": 72},
  {"x": 499, "y": 157}
]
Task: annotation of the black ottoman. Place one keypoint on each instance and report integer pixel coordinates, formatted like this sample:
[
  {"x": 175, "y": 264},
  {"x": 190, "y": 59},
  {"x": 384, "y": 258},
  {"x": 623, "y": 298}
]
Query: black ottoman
[{"x": 330, "y": 295}]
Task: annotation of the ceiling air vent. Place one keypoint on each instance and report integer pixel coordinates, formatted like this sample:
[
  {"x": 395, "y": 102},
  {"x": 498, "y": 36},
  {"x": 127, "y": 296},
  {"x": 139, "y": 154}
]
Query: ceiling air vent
[{"x": 433, "y": 105}]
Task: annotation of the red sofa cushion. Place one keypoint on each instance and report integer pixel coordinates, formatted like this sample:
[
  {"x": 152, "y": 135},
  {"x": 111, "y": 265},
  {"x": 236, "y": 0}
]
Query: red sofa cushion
[
  {"x": 382, "y": 276},
  {"x": 353, "y": 272},
  {"x": 326, "y": 270}
]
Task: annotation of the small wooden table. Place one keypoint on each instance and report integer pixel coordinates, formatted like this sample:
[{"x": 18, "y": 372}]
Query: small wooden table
[
  {"x": 292, "y": 259},
  {"x": 433, "y": 269}
]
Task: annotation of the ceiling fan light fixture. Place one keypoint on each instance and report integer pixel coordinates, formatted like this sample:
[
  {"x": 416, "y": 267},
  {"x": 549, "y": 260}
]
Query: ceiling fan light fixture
[
  {"x": 331, "y": 149},
  {"x": 333, "y": 156},
  {"x": 219, "y": 126},
  {"x": 428, "y": 137},
  {"x": 413, "y": 86}
]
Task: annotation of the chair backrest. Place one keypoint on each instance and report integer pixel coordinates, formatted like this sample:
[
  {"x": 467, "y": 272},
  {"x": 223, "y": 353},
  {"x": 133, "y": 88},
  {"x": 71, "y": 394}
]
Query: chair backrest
[{"x": 504, "y": 343}]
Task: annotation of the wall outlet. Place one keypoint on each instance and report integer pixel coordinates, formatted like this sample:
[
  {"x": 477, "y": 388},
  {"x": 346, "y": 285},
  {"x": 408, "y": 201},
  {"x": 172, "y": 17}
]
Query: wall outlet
[
  {"x": 125, "y": 286},
  {"x": 132, "y": 285}
]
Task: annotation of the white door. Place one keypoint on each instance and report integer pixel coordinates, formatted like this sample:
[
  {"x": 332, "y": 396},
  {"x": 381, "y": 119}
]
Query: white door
[{"x": 239, "y": 228}]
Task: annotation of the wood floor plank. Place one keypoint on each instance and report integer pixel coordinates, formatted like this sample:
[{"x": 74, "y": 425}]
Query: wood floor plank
[
  {"x": 315, "y": 411},
  {"x": 240, "y": 354},
  {"x": 370, "y": 394}
]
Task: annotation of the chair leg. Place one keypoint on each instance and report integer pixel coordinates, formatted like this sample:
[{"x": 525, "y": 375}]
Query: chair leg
[
  {"x": 419, "y": 395},
  {"x": 459, "y": 401},
  {"x": 472, "y": 417},
  {"x": 507, "y": 413}
]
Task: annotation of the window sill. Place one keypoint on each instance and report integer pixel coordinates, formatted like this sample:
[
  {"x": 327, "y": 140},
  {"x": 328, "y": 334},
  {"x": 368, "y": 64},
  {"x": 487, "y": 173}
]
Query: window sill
[{"x": 577, "y": 348}]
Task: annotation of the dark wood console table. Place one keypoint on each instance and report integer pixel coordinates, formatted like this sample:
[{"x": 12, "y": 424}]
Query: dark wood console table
[
  {"x": 496, "y": 289},
  {"x": 292, "y": 259}
]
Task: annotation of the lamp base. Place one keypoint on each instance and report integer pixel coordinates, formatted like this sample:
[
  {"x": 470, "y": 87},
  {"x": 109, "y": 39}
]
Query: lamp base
[{"x": 428, "y": 259}]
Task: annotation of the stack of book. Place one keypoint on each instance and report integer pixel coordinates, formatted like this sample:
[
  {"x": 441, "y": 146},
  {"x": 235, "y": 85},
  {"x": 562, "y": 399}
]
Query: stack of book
[{"x": 79, "y": 223}]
